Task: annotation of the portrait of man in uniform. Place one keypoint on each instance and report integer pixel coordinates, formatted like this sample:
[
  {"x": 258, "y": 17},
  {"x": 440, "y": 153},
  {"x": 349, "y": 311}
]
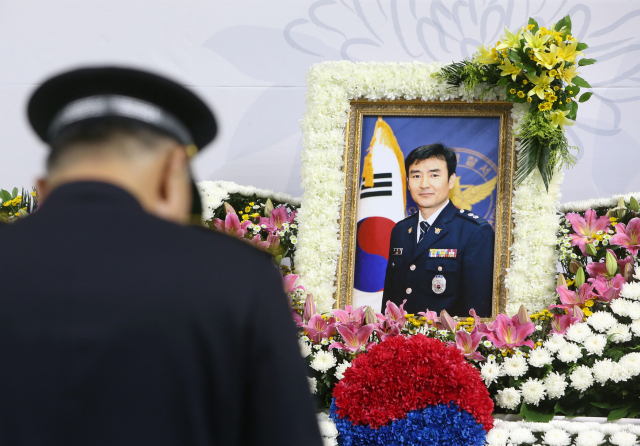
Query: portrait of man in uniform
[
  {"x": 425, "y": 213},
  {"x": 441, "y": 257}
]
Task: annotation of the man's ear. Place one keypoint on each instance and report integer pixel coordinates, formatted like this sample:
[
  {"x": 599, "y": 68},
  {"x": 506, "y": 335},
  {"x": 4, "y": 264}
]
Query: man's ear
[
  {"x": 174, "y": 194},
  {"x": 452, "y": 181},
  {"x": 43, "y": 188}
]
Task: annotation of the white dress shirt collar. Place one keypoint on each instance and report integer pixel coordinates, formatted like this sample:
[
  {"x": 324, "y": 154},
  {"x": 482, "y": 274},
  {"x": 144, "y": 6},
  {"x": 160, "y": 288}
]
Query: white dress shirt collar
[{"x": 431, "y": 219}]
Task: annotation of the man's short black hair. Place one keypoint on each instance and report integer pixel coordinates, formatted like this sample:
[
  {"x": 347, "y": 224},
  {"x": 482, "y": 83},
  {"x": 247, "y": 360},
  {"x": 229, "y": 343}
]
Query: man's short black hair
[{"x": 436, "y": 150}]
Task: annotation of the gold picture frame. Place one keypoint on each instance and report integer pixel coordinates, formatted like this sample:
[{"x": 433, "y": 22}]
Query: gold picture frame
[{"x": 504, "y": 187}]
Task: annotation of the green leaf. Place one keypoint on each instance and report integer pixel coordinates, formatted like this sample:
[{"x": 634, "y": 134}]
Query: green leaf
[
  {"x": 564, "y": 22},
  {"x": 527, "y": 158},
  {"x": 580, "y": 82},
  {"x": 514, "y": 56},
  {"x": 543, "y": 165},
  {"x": 584, "y": 62},
  {"x": 503, "y": 82},
  {"x": 535, "y": 25},
  {"x": 574, "y": 111},
  {"x": 5, "y": 195},
  {"x": 572, "y": 91},
  {"x": 581, "y": 46},
  {"x": 14, "y": 193},
  {"x": 585, "y": 96},
  {"x": 618, "y": 413},
  {"x": 605, "y": 405},
  {"x": 535, "y": 414}
]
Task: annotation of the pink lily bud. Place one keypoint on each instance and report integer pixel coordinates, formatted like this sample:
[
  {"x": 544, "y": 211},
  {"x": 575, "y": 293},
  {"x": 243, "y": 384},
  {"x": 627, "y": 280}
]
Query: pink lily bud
[
  {"x": 447, "y": 321},
  {"x": 309, "y": 308},
  {"x": 627, "y": 271},
  {"x": 523, "y": 316},
  {"x": 573, "y": 266},
  {"x": 370, "y": 316},
  {"x": 561, "y": 281},
  {"x": 228, "y": 209},
  {"x": 268, "y": 207}
]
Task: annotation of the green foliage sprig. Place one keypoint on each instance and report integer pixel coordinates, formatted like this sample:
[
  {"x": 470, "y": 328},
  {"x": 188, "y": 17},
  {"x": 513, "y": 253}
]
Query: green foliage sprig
[{"x": 16, "y": 205}]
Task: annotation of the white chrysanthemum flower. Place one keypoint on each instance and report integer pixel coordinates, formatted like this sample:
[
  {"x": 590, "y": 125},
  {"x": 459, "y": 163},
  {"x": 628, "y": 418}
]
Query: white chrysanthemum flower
[
  {"x": 515, "y": 366},
  {"x": 557, "y": 437},
  {"x": 540, "y": 357},
  {"x": 490, "y": 372},
  {"x": 623, "y": 439},
  {"x": 633, "y": 310},
  {"x": 521, "y": 435},
  {"x": 508, "y": 398},
  {"x": 487, "y": 344},
  {"x": 323, "y": 361},
  {"x": 619, "y": 333},
  {"x": 631, "y": 290},
  {"x": 635, "y": 327},
  {"x": 589, "y": 437},
  {"x": 610, "y": 428},
  {"x": 556, "y": 384},
  {"x": 555, "y": 343},
  {"x": 578, "y": 332},
  {"x": 327, "y": 426},
  {"x": 305, "y": 348},
  {"x": 595, "y": 344},
  {"x": 619, "y": 373},
  {"x": 581, "y": 378},
  {"x": 620, "y": 307},
  {"x": 533, "y": 391},
  {"x": 570, "y": 353},
  {"x": 344, "y": 365},
  {"x": 602, "y": 370},
  {"x": 631, "y": 363},
  {"x": 329, "y": 441},
  {"x": 497, "y": 437},
  {"x": 313, "y": 384},
  {"x": 601, "y": 321}
]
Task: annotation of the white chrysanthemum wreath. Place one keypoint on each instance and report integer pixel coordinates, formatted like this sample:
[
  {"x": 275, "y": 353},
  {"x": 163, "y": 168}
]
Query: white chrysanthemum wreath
[{"x": 331, "y": 87}]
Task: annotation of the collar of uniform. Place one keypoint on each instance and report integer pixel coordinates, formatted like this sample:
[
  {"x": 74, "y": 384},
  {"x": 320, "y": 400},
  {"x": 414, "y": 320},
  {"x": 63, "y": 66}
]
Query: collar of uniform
[
  {"x": 93, "y": 192},
  {"x": 433, "y": 216}
]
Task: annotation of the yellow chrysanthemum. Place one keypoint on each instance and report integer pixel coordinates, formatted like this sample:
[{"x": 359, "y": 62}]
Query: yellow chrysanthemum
[
  {"x": 520, "y": 94},
  {"x": 509, "y": 69}
]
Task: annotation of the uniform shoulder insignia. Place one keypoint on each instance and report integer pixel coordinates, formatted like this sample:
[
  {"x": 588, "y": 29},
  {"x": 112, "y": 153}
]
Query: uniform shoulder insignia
[
  {"x": 406, "y": 218},
  {"x": 468, "y": 215}
]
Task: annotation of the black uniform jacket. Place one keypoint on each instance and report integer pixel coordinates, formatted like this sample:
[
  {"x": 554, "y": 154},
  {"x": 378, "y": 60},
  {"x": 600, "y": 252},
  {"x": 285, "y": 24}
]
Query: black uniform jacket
[
  {"x": 412, "y": 267},
  {"x": 119, "y": 328}
]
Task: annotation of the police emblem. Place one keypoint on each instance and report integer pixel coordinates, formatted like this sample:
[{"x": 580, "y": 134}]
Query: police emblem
[{"x": 439, "y": 284}]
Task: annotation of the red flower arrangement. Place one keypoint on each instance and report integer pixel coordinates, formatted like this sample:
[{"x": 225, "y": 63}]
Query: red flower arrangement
[{"x": 402, "y": 374}]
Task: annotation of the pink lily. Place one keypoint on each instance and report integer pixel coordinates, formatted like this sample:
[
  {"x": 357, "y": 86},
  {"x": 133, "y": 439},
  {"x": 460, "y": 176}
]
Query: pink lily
[
  {"x": 628, "y": 236},
  {"x": 468, "y": 343},
  {"x": 277, "y": 218},
  {"x": 608, "y": 289},
  {"x": 231, "y": 225},
  {"x": 571, "y": 298},
  {"x": 256, "y": 240},
  {"x": 355, "y": 340},
  {"x": 627, "y": 267},
  {"x": 431, "y": 317},
  {"x": 387, "y": 329},
  {"x": 561, "y": 322},
  {"x": 523, "y": 316},
  {"x": 596, "y": 269},
  {"x": 289, "y": 283},
  {"x": 509, "y": 332},
  {"x": 586, "y": 228},
  {"x": 447, "y": 321},
  {"x": 317, "y": 328},
  {"x": 476, "y": 319},
  {"x": 309, "y": 308},
  {"x": 351, "y": 316}
]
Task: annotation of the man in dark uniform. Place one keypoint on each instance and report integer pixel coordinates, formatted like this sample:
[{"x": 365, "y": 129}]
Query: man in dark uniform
[
  {"x": 118, "y": 324},
  {"x": 441, "y": 257}
]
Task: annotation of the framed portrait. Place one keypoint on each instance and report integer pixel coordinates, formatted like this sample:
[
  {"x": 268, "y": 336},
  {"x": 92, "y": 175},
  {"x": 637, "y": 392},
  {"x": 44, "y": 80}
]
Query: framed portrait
[{"x": 458, "y": 261}]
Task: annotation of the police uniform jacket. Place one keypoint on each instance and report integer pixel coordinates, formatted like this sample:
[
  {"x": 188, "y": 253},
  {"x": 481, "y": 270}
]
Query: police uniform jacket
[
  {"x": 119, "y": 328},
  {"x": 468, "y": 271}
]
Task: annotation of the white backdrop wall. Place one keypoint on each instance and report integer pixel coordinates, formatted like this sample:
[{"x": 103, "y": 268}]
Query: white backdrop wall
[{"x": 248, "y": 59}]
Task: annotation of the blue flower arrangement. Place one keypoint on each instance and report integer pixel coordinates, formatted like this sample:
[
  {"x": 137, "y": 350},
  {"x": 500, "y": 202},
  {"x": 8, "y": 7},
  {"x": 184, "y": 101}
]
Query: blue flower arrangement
[{"x": 440, "y": 424}]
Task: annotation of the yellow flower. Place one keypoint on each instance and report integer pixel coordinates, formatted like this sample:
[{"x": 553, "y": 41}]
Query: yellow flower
[
  {"x": 589, "y": 303},
  {"x": 558, "y": 118},
  {"x": 256, "y": 215},
  {"x": 512, "y": 91},
  {"x": 529, "y": 99},
  {"x": 550, "y": 59},
  {"x": 240, "y": 212},
  {"x": 530, "y": 27},
  {"x": 247, "y": 209},
  {"x": 553, "y": 73},
  {"x": 509, "y": 69},
  {"x": 525, "y": 82},
  {"x": 556, "y": 88},
  {"x": 34, "y": 193},
  {"x": 587, "y": 312},
  {"x": 520, "y": 94},
  {"x": 568, "y": 52},
  {"x": 245, "y": 217},
  {"x": 251, "y": 203},
  {"x": 549, "y": 96},
  {"x": 568, "y": 100},
  {"x": 510, "y": 40},
  {"x": 535, "y": 42},
  {"x": 542, "y": 84},
  {"x": 485, "y": 56}
]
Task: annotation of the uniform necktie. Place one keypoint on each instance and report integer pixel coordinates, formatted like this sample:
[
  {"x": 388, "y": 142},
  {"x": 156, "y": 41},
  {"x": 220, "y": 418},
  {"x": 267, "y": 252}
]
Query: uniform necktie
[{"x": 424, "y": 227}]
